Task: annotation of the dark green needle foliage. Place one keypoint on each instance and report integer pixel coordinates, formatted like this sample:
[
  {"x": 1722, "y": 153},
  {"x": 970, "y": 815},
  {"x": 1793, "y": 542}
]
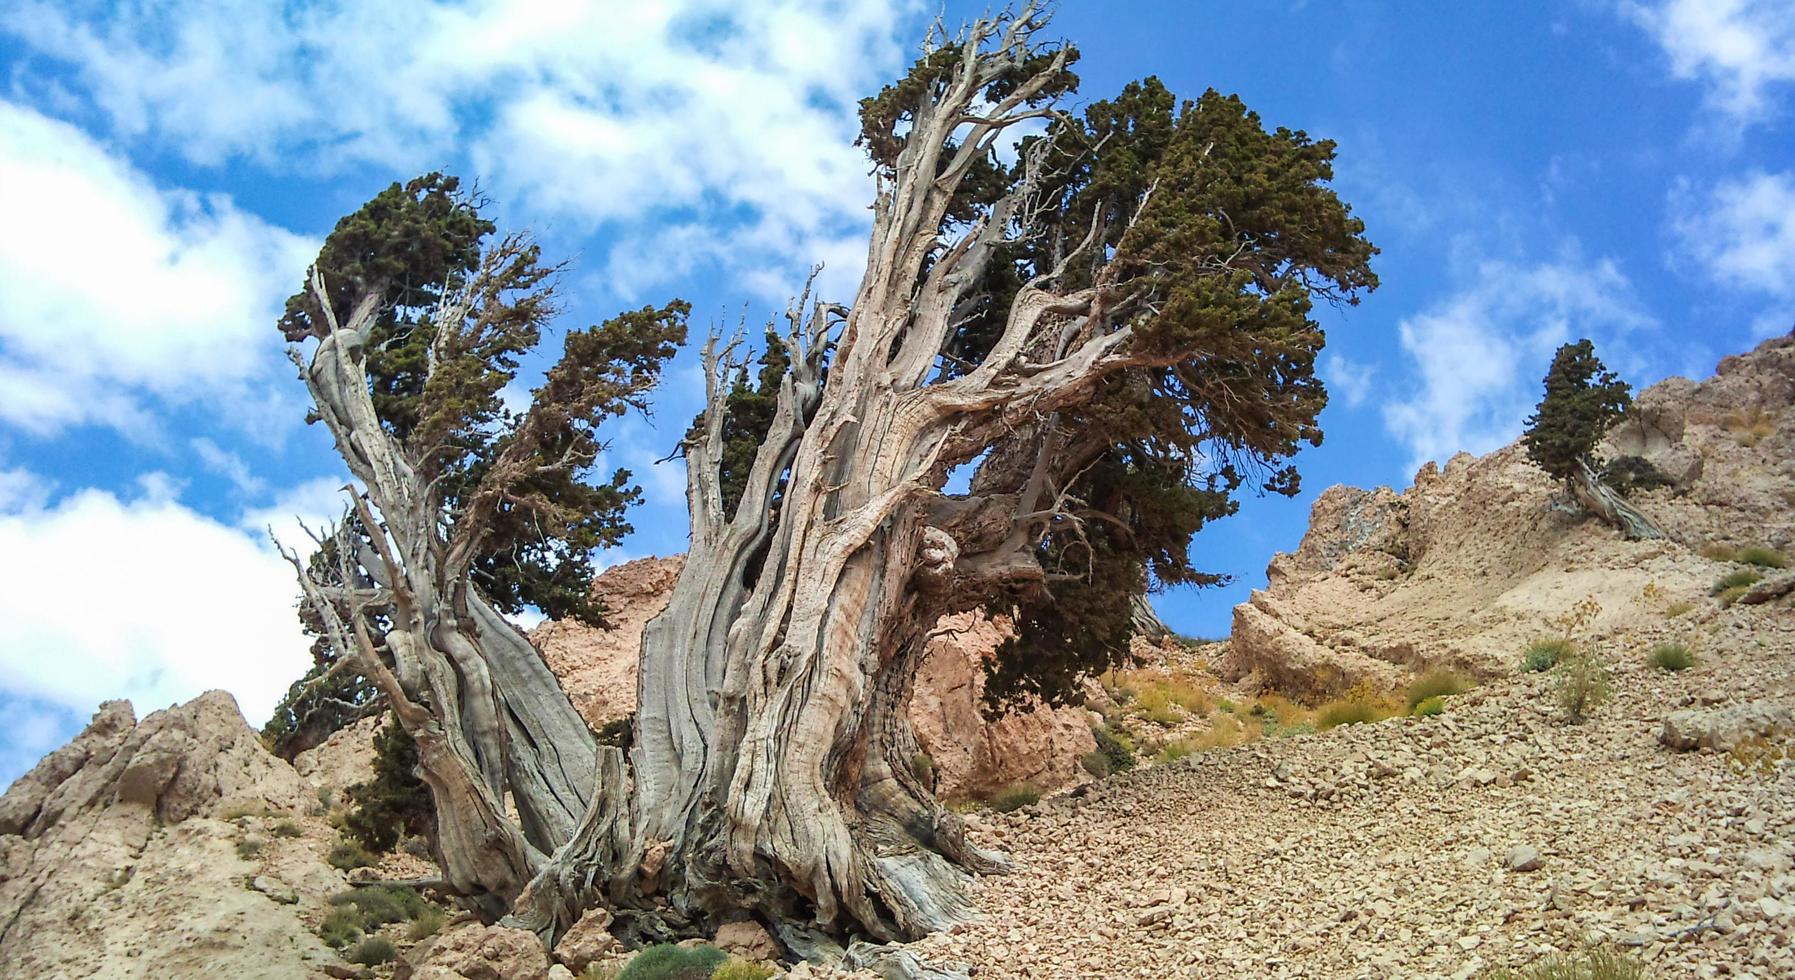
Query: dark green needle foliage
[
  {"x": 1583, "y": 400},
  {"x": 395, "y": 802}
]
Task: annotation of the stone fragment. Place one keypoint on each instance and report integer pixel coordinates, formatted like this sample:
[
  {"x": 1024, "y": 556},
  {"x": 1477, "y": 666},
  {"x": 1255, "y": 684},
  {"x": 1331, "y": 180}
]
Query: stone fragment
[
  {"x": 1726, "y": 728},
  {"x": 1522, "y": 857}
]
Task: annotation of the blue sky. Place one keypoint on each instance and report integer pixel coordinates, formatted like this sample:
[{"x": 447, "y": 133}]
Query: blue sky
[{"x": 1533, "y": 172}]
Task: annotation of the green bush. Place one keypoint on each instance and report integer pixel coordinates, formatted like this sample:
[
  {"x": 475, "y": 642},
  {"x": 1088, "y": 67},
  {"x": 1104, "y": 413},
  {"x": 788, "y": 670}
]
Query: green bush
[
  {"x": 1671, "y": 656},
  {"x": 1727, "y": 597},
  {"x": 286, "y": 828},
  {"x": 347, "y": 855},
  {"x": 1582, "y": 685},
  {"x": 673, "y": 963},
  {"x": 428, "y": 923},
  {"x": 1743, "y": 578},
  {"x": 395, "y": 801},
  {"x": 742, "y": 970},
  {"x": 377, "y": 905},
  {"x": 340, "y": 928},
  {"x": 1350, "y": 712},
  {"x": 1436, "y": 684},
  {"x": 249, "y": 848},
  {"x": 372, "y": 951},
  {"x": 1543, "y": 655},
  {"x": 924, "y": 767},
  {"x": 1429, "y": 707},
  {"x": 1115, "y": 749},
  {"x": 1596, "y": 964},
  {"x": 1761, "y": 557},
  {"x": 1015, "y": 798}
]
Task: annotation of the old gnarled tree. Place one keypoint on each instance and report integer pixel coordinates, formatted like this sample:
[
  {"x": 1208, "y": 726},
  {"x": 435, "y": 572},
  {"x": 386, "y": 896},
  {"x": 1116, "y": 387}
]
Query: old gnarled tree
[{"x": 1112, "y": 333}]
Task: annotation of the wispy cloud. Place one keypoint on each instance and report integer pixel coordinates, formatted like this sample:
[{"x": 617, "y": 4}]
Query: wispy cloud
[
  {"x": 1739, "y": 232},
  {"x": 1478, "y": 353},
  {"x": 1740, "y": 50}
]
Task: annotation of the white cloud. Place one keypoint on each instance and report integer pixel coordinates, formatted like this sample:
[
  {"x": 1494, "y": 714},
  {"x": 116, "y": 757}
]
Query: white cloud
[
  {"x": 1478, "y": 355},
  {"x": 1348, "y": 378},
  {"x": 111, "y": 289},
  {"x": 695, "y": 112},
  {"x": 228, "y": 465},
  {"x": 1740, "y": 233},
  {"x": 315, "y": 504},
  {"x": 1739, "y": 49},
  {"x": 145, "y": 599}
]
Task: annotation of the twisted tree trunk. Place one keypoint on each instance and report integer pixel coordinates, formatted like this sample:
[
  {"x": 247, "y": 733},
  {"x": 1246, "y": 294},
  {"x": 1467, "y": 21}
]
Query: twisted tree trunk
[{"x": 1601, "y": 500}]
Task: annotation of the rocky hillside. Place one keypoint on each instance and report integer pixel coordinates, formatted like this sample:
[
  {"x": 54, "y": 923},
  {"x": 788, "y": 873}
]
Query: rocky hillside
[{"x": 1257, "y": 836}]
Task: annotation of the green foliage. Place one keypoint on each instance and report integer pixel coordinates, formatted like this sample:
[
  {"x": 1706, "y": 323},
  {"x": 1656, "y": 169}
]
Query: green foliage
[
  {"x": 1761, "y": 557},
  {"x": 316, "y": 705},
  {"x": 367, "y": 909},
  {"x": 347, "y": 855},
  {"x": 1630, "y": 473},
  {"x": 924, "y": 768},
  {"x": 427, "y": 923},
  {"x": 286, "y": 828},
  {"x": 1671, "y": 656},
  {"x": 742, "y": 970},
  {"x": 1014, "y": 797},
  {"x": 1428, "y": 707},
  {"x": 249, "y": 848},
  {"x": 1583, "y": 399},
  {"x": 1583, "y": 685},
  {"x": 395, "y": 802},
  {"x": 1114, "y": 749},
  {"x": 341, "y": 927},
  {"x": 1595, "y": 964},
  {"x": 668, "y": 962},
  {"x": 1436, "y": 684},
  {"x": 1543, "y": 655},
  {"x": 1742, "y": 578},
  {"x": 1350, "y": 712},
  {"x": 372, "y": 951}
]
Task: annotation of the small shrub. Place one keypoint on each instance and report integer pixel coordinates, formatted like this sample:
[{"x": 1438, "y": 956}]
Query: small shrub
[
  {"x": 924, "y": 767},
  {"x": 1543, "y": 655},
  {"x": 340, "y": 928},
  {"x": 673, "y": 963},
  {"x": 1630, "y": 473},
  {"x": 1015, "y": 798},
  {"x": 1743, "y": 578},
  {"x": 395, "y": 801},
  {"x": 1715, "y": 551},
  {"x": 347, "y": 855},
  {"x": 1729, "y": 596},
  {"x": 1582, "y": 685},
  {"x": 1671, "y": 656},
  {"x": 418, "y": 847},
  {"x": 1761, "y": 557},
  {"x": 1358, "y": 706},
  {"x": 249, "y": 848},
  {"x": 742, "y": 970},
  {"x": 1428, "y": 707},
  {"x": 1436, "y": 684},
  {"x": 377, "y": 905},
  {"x": 1116, "y": 749},
  {"x": 286, "y": 828},
  {"x": 428, "y": 923},
  {"x": 1595, "y": 964},
  {"x": 1678, "y": 609},
  {"x": 372, "y": 951},
  {"x": 1177, "y": 749},
  {"x": 1760, "y": 756}
]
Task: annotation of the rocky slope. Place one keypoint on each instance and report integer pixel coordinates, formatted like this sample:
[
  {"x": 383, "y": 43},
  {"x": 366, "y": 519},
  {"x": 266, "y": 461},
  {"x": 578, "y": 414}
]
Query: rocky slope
[
  {"x": 1481, "y": 557},
  {"x": 973, "y": 756}
]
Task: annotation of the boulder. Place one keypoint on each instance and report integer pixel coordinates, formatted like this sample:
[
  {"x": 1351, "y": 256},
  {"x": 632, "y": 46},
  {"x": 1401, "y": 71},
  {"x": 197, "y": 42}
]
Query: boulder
[
  {"x": 1723, "y": 729},
  {"x": 747, "y": 940},
  {"x": 475, "y": 952},
  {"x": 590, "y": 939}
]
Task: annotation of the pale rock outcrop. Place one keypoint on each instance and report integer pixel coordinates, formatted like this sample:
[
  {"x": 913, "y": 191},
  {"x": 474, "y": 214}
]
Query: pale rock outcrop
[
  {"x": 342, "y": 760},
  {"x": 1726, "y": 728},
  {"x": 971, "y": 755},
  {"x": 587, "y": 941},
  {"x": 472, "y": 951},
  {"x": 1482, "y": 557},
  {"x": 115, "y": 859}
]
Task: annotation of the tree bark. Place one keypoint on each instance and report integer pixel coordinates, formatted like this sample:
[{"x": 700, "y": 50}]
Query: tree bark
[{"x": 1601, "y": 500}]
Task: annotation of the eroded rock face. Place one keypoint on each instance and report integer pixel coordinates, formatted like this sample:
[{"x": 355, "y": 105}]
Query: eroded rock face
[
  {"x": 1482, "y": 557},
  {"x": 472, "y": 951},
  {"x": 114, "y": 861},
  {"x": 1724, "y": 729},
  {"x": 971, "y": 756}
]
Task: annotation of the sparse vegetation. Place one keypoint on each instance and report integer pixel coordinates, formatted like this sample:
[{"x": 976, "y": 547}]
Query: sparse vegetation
[
  {"x": 1583, "y": 685},
  {"x": 372, "y": 951},
  {"x": 1630, "y": 473},
  {"x": 737, "y": 969},
  {"x": 1161, "y": 697},
  {"x": 924, "y": 767},
  {"x": 1678, "y": 609},
  {"x": 1671, "y": 656},
  {"x": 1360, "y": 705},
  {"x": 1115, "y": 753},
  {"x": 1014, "y": 797},
  {"x": 428, "y": 923},
  {"x": 673, "y": 963},
  {"x": 395, "y": 801},
  {"x": 249, "y": 848},
  {"x": 1750, "y": 426},
  {"x": 1735, "y": 584},
  {"x": 1429, "y": 707},
  {"x": 360, "y": 912},
  {"x": 347, "y": 855},
  {"x": 1543, "y": 655},
  {"x": 286, "y": 828},
  {"x": 1435, "y": 684},
  {"x": 341, "y": 927},
  {"x": 1760, "y": 756},
  {"x": 1594, "y": 964},
  {"x": 1761, "y": 557}
]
